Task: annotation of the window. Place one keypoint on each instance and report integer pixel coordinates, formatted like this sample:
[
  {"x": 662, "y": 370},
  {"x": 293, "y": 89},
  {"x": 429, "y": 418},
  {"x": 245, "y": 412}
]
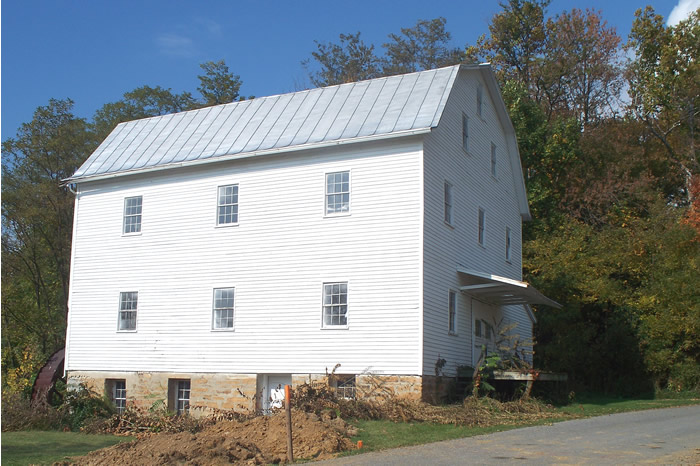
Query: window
[
  {"x": 132, "y": 214},
  {"x": 481, "y": 226},
  {"x": 223, "y": 308},
  {"x": 335, "y": 304},
  {"x": 227, "y": 205},
  {"x": 508, "y": 244},
  {"x": 119, "y": 395},
  {"x": 479, "y": 98},
  {"x": 179, "y": 395},
  {"x": 452, "y": 313},
  {"x": 493, "y": 160},
  {"x": 337, "y": 193},
  {"x": 489, "y": 331},
  {"x": 448, "y": 203},
  {"x": 345, "y": 386},
  {"x": 128, "y": 306},
  {"x": 477, "y": 328},
  {"x": 465, "y": 132}
]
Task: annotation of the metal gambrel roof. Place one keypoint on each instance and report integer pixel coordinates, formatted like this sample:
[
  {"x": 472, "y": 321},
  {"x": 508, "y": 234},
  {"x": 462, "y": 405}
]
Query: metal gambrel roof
[{"x": 357, "y": 111}]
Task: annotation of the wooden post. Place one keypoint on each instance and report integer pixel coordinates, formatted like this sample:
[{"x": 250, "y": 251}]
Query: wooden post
[{"x": 288, "y": 409}]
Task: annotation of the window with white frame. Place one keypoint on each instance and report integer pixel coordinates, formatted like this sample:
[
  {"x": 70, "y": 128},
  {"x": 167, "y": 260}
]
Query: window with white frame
[
  {"x": 338, "y": 193},
  {"x": 227, "y": 205},
  {"x": 481, "y": 226},
  {"x": 179, "y": 395},
  {"x": 128, "y": 307},
  {"x": 479, "y": 98},
  {"x": 223, "y": 308},
  {"x": 465, "y": 132},
  {"x": 494, "y": 161},
  {"x": 477, "y": 328},
  {"x": 335, "y": 304},
  {"x": 119, "y": 395},
  {"x": 508, "y": 244},
  {"x": 452, "y": 312},
  {"x": 345, "y": 386},
  {"x": 448, "y": 203},
  {"x": 132, "y": 214}
]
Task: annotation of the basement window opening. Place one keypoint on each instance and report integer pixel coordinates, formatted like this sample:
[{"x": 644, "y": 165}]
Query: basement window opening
[{"x": 345, "y": 387}]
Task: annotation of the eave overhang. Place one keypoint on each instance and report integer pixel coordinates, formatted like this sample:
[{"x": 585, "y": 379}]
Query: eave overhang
[{"x": 501, "y": 291}]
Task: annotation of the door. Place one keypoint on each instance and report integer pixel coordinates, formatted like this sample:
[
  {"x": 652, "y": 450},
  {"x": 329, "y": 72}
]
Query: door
[{"x": 275, "y": 390}]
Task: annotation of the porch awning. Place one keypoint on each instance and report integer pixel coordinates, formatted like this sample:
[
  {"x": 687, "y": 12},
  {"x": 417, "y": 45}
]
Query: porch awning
[{"x": 501, "y": 290}]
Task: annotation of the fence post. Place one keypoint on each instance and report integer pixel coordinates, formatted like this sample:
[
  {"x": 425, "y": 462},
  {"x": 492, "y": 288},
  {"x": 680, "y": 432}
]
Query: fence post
[{"x": 288, "y": 409}]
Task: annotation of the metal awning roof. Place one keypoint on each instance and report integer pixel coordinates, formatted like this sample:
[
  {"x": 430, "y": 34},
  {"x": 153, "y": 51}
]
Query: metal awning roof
[{"x": 501, "y": 290}]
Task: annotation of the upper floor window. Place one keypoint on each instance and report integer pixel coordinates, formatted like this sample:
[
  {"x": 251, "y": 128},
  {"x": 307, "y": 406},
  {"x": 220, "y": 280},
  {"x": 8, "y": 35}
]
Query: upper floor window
[
  {"x": 448, "y": 203},
  {"x": 335, "y": 304},
  {"x": 465, "y": 132},
  {"x": 227, "y": 205},
  {"x": 479, "y": 99},
  {"x": 223, "y": 308},
  {"x": 508, "y": 244},
  {"x": 338, "y": 193},
  {"x": 452, "y": 312},
  {"x": 481, "y": 226},
  {"x": 494, "y": 160},
  {"x": 128, "y": 307},
  {"x": 132, "y": 214}
]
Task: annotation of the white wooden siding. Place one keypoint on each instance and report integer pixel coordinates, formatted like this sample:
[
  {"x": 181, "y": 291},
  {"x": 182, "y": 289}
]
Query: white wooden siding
[
  {"x": 447, "y": 247},
  {"x": 277, "y": 258}
]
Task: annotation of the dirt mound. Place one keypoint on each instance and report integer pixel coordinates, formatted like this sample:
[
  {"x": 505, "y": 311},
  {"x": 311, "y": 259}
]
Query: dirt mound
[{"x": 262, "y": 440}]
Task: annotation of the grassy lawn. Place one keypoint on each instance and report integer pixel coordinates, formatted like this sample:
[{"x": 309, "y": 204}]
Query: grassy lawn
[
  {"x": 37, "y": 447},
  {"x": 600, "y": 406},
  {"x": 22, "y": 448},
  {"x": 380, "y": 435}
]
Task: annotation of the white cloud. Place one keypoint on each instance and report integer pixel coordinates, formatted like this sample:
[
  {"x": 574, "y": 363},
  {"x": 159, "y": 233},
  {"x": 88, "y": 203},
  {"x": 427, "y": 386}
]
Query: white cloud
[
  {"x": 175, "y": 45},
  {"x": 682, "y": 11}
]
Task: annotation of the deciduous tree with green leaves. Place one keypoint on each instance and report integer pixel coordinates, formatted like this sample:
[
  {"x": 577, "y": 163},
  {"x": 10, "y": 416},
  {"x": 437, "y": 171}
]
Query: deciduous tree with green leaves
[
  {"x": 348, "y": 61},
  {"x": 665, "y": 88},
  {"x": 37, "y": 222}
]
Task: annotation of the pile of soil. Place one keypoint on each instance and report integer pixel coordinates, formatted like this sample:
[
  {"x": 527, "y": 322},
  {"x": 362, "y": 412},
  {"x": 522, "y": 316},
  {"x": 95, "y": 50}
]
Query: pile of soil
[{"x": 261, "y": 440}]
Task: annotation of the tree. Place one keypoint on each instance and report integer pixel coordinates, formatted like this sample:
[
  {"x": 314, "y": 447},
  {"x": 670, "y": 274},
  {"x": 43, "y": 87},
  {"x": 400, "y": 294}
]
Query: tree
[
  {"x": 37, "y": 217},
  {"x": 517, "y": 41},
  {"x": 581, "y": 73},
  {"x": 218, "y": 85},
  {"x": 422, "y": 47},
  {"x": 665, "y": 89},
  {"x": 142, "y": 102},
  {"x": 350, "y": 60}
]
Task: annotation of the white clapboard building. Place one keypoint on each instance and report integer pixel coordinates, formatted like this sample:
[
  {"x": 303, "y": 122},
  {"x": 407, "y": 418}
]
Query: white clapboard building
[{"x": 222, "y": 252}]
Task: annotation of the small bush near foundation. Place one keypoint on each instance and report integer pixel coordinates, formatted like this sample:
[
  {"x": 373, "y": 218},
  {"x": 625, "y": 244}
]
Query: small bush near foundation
[
  {"x": 77, "y": 408},
  {"x": 19, "y": 413}
]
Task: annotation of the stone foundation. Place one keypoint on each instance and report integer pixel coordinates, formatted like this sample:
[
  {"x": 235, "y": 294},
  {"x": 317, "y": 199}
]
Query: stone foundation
[
  {"x": 243, "y": 392},
  {"x": 145, "y": 389}
]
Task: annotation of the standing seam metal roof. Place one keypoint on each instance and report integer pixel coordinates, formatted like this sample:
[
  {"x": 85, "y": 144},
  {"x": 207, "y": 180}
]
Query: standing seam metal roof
[{"x": 377, "y": 107}]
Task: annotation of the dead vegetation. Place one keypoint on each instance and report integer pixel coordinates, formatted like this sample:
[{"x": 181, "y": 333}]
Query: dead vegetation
[{"x": 319, "y": 427}]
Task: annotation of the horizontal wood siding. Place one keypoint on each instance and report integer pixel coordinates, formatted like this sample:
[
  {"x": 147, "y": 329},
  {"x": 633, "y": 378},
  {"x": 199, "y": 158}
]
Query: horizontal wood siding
[
  {"x": 277, "y": 258},
  {"x": 447, "y": 247}
]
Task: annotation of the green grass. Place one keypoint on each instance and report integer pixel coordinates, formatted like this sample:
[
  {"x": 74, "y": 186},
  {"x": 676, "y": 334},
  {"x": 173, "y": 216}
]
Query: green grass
[
  {"x": 601, "y": 405},
  {"x": 380, "y": 435},
  {"x": 39, "y": 447}
]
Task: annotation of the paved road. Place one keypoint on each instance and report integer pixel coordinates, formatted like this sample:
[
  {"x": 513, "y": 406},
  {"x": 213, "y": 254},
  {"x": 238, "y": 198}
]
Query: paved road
[{"x": 661, "y": 436}]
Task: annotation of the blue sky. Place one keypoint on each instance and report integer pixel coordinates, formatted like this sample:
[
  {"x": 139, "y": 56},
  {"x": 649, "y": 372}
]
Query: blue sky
[{"x": 94, "y": 51}]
